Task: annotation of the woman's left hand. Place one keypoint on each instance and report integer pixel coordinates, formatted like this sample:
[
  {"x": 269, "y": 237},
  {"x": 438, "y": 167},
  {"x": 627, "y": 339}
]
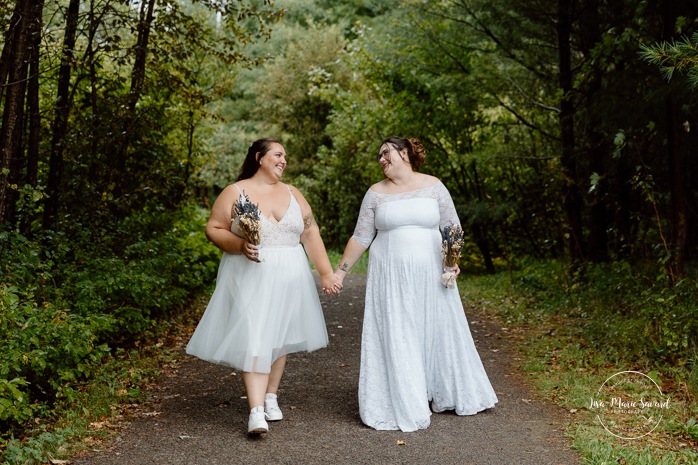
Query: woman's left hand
[{"x": 329, "y": 285}]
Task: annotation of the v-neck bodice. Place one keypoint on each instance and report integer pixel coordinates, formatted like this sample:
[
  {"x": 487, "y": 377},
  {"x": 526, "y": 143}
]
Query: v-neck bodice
[{"x": 284, "y": 233}]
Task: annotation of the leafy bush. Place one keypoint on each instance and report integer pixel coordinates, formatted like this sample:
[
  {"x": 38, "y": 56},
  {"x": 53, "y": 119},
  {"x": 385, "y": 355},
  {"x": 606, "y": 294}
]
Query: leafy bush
[
  {"x": 44, "y": 354},
  {"x": 618, "y": 309},
  {"x": 67, "y": 299}
]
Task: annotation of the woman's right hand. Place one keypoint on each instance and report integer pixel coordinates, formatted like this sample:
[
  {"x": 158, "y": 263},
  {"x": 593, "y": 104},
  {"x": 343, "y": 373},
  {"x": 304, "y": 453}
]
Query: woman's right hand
[{"x": 250, "y": 251}]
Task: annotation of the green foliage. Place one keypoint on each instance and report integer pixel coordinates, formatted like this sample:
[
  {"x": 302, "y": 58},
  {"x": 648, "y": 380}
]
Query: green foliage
[
  {"x": 116, "y": 381},
  {"x": 573, "y": 335},
  {"x": 64, "y": 304},
  {"x": 678, "y": 56},
  {"x": 45, "y": 353},
  {"x": 477, "y": 82},
  {"x": 620, "y": 313},
  {"x": 286, "y": 99},
  {"x": 13, "y": 406}
]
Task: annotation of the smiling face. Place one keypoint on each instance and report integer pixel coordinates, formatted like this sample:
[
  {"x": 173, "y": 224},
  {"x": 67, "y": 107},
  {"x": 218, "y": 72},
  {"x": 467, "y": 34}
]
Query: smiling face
[
  {"x": 390, "y": 159},
  {"x": 273, "y": 162}
]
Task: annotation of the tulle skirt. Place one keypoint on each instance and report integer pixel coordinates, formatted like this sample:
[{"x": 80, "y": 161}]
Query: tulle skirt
[{"x": 260, "y": 311}]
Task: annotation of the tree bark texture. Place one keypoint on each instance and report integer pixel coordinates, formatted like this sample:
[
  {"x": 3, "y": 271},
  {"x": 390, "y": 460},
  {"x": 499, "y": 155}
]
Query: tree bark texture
[
  {"x": 137, "y": 83},
  {"x": 18, "y": 42},
  {"x": 33, "y": 111},
  {"x": 59, "y": 126}
]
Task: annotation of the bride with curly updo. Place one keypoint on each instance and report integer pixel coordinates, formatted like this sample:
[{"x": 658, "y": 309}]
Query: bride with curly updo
[{"x": 417, "y": 353}]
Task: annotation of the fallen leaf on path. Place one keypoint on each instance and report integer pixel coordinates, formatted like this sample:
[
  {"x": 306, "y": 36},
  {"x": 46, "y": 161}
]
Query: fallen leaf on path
[{"x": 401, "y": 443}]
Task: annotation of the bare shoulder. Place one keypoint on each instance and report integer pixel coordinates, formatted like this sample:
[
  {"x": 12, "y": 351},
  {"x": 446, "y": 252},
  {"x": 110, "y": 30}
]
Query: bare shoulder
[
  {"x": 229, "y": 193},
  {"x": 298, "y": 195},
  {"x": 294, "y": 190}
]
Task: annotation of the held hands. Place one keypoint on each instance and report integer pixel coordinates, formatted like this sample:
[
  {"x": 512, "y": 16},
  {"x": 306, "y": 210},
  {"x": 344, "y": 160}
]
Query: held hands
[
  {"x": 329, "y": 285},
  {"x": 339, "y": 281}
]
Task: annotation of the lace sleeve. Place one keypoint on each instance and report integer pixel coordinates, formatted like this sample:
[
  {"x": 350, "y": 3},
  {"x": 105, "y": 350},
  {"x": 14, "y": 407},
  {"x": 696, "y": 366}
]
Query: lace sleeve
[
  {"x": 365, "y": 229},
  {"x": 447, "y": 210}
]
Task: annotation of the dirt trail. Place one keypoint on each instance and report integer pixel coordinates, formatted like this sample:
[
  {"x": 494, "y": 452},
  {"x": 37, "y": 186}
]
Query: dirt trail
[{"x": 198, "y": 415}]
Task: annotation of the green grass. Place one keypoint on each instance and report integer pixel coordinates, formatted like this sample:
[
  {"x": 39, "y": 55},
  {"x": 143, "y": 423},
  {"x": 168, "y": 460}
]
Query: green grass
[{"x": 573, "y": 338}]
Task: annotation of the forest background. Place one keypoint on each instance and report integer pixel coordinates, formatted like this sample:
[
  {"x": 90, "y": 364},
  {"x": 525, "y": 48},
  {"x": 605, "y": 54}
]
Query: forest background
[{"x": 563, "y": 130}]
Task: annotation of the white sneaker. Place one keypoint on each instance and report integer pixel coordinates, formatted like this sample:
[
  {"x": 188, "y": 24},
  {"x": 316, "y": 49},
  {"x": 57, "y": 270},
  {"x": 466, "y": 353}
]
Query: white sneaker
[
  {"x": 271, "y": 409},
  {"x": 257, "y": 424}
]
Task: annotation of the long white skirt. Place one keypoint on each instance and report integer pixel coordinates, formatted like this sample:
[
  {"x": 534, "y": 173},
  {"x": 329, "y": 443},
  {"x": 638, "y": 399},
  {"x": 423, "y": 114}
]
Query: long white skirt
[
  {"x": 260, "y": 311},
  {"x": 416, "y": 345}
]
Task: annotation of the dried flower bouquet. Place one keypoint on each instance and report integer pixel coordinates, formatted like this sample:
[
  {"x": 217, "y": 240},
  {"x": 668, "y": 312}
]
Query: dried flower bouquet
[
  {"x": 451, "y": 247},
  {"x": 248, "y": 219}
]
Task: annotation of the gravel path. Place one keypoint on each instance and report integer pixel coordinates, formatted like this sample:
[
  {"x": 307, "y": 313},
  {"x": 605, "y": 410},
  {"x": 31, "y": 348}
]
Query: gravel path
[{"x": 197, "y": 414}]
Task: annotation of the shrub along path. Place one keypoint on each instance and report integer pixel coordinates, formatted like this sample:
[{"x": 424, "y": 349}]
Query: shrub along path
[{"x": 197, "y": 413}]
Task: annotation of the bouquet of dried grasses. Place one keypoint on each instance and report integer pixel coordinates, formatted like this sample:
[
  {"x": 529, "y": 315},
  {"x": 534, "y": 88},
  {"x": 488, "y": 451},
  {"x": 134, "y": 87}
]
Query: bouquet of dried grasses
[
  {"x": 247, "y": 217},
  {"x": 451, "y": 247}
]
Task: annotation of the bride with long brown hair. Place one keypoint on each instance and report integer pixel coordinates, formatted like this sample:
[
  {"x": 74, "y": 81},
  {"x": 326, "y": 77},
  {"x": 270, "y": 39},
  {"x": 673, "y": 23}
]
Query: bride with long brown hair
[{"x": 265, "y": 305}]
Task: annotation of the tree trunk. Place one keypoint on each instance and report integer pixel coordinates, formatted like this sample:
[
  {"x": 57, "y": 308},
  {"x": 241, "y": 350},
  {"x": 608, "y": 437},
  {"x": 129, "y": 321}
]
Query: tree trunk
[
  {"x": 137, "y": 83},
  {"x": 59, "y": 126},
  {"x": 570, "y": 190},
  {"x": 18, "y": 45},
  {"x": 5, "y": 55},
  {"x": 33, "y": 111}
]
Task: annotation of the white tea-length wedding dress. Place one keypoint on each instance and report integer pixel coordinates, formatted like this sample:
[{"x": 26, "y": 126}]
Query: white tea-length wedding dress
[
  {"x": 416, "y": 344},
  {"x": 262, "y": 311}
]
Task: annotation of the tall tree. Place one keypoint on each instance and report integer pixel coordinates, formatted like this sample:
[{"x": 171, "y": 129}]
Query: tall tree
[
  {"x": 59, "y": 126},
  {"x": 138, "y": 74},
  {"x": 18, "y": 41}
]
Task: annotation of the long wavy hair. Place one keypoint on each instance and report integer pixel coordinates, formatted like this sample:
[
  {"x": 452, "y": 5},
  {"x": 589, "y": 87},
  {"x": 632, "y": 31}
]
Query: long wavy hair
[
  {"x": 251, "y": 163},
  {"x": 415, "y": 150}
]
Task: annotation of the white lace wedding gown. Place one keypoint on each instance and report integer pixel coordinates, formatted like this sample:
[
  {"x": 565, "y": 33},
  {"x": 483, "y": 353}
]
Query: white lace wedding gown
[
  {"x": 262, "y": 311},
  {"x": 416, "y": 343}
]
